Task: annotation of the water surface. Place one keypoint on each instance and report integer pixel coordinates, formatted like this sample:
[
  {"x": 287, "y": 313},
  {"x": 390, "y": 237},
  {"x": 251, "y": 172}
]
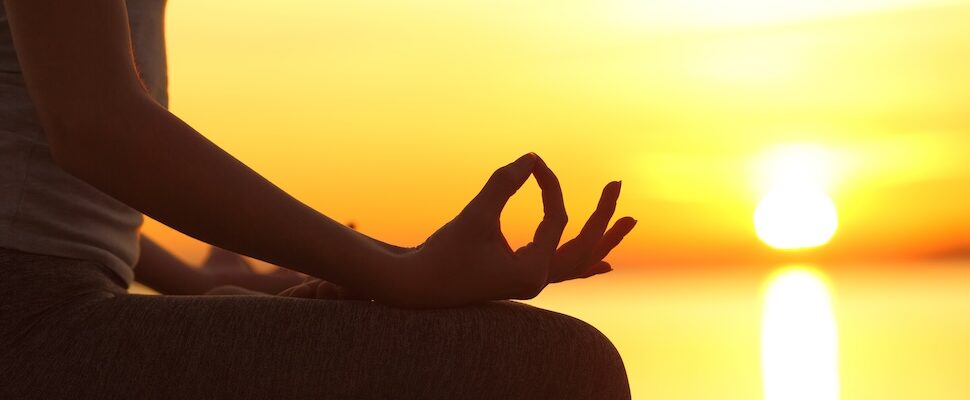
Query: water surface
[{"x": 694, "y": 333}]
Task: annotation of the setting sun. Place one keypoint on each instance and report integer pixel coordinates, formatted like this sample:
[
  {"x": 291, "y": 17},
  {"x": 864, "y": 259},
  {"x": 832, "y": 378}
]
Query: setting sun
[
  {"x": 796, "y": 212},
  {"x": 748, "y": 134},
  {"x": 795, "y": 218}
]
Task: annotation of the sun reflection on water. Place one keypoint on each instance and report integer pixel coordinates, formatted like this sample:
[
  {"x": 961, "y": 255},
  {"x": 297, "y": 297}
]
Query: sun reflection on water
[{"x": 799, "y": 340}]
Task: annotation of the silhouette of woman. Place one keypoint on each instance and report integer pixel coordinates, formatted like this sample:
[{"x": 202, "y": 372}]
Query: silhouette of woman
[{"x": 87, "y": 145}]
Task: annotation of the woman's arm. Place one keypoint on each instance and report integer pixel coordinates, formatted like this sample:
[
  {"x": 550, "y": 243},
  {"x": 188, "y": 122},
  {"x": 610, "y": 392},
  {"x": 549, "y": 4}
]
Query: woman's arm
[
  {"x": 167, "y": 274},
  {"x": 104, "y": 128}
]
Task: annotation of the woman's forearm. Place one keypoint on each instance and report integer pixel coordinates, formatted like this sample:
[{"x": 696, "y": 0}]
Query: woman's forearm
[
  {"x": 151, "y": 160},
  {"x": 104, "y": 128}
]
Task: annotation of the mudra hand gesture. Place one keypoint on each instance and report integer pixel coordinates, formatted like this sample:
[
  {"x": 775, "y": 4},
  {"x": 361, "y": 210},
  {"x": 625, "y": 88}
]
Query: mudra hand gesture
[{"x": 469, "y": 260}]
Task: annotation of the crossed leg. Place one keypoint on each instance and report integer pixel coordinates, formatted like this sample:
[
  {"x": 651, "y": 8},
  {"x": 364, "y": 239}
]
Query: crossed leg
[{"x": 260, "y": 347}]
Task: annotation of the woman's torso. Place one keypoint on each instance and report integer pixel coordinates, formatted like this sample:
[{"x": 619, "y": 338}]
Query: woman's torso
[{"x": 43, "y": 209}]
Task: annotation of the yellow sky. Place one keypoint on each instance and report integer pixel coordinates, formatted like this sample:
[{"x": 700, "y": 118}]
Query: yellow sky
[{"x": 393, "y": 114}]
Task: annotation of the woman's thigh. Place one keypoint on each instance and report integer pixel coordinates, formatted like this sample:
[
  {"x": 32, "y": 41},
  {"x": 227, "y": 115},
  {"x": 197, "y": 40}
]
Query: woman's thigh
[{"x": 131, "y": 347}]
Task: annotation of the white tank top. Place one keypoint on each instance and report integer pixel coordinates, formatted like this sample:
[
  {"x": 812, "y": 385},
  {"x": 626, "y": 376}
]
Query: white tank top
[{"x": 45, "y": 210}]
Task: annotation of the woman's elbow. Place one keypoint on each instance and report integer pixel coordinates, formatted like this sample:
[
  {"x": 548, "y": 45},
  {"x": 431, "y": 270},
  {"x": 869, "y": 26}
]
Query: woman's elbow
[
  {"x": 90, "y": 145},
  {"x": 71, "y": 151},
  {"x": 93, "y": 153}
]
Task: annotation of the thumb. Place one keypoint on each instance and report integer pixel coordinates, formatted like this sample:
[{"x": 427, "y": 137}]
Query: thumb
[{"x": 503, "y": 183}]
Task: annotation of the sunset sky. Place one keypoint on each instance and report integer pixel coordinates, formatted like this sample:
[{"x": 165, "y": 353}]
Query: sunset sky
[{"x": 393, "y": 114}]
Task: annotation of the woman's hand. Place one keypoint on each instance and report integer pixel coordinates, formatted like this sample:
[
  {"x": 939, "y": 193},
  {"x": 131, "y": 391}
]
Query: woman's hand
[
  {"x": 314, "y": 288},
  {"x": 469, "y": 260},
  {"x": 223, "y": 267},
  {"x": 582, "y": 256}
]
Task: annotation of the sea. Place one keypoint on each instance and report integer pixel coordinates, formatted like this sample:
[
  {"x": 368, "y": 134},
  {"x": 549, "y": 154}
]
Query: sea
[{"x": 902, "y": 330}]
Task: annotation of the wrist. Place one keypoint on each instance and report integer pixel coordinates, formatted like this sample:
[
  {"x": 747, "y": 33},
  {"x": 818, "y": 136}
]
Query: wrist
[{"x": 398, "y": 278}]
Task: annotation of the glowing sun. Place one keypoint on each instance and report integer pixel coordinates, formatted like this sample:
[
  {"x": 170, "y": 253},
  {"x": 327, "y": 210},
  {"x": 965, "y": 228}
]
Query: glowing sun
[
  {"x": 796, "y": 212},
  {"x": 795, "y": 218}
]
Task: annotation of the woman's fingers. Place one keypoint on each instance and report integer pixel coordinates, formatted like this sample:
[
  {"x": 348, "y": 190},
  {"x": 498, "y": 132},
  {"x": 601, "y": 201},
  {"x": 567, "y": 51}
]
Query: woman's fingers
[
  {"x": 503, "y": 183},
  {"x": 303, "y": 290},
  {"x": 320, "y": 289},
  {"x": 574, "y": 257},
  {"x": 613, "y": 237},
  {"x": 601, "y": 267},
  {"x": 554, "y": 218},
  {"x": 507, "y": 180},
  {"x": 327, "y": 291},
  {"x": 593, "y": 231}
]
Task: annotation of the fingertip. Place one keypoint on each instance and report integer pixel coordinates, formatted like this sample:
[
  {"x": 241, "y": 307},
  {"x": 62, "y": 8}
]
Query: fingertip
[
  {"x": 526, "y": 161},
  {"x": 599, "y": 268},
  {"x": 503, "y": 183},
  {"x": 603, "y": 267},
  {"x": 544, "y": 173},
  {"x": 540, "y": 162},
  {"x": 611, "y": 187},
  {"x": 544, "y": 167}
]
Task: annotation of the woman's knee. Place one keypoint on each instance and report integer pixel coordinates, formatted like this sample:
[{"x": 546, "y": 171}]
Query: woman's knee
[{"x": 585, "y": 360}]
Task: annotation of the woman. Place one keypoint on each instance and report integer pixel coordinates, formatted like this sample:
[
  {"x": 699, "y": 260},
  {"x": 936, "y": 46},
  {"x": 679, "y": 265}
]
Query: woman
[{"x": 87, "y": 145}]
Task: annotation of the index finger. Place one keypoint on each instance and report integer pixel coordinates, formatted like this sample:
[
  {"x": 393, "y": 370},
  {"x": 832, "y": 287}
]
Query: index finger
[{"x": 503, "y": 183}]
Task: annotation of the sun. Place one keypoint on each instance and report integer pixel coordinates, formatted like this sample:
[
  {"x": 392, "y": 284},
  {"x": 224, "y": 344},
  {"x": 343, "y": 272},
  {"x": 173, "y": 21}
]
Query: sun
[
  {"x": 795, "y": 218},
  {"x": 796, "y": 212}
]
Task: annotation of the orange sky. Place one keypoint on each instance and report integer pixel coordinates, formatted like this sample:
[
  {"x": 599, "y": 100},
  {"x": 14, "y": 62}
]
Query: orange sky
[{"x": 393, "y": 114}]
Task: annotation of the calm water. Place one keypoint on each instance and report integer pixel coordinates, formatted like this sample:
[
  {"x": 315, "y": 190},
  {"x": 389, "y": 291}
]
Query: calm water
[{"x": 689, "y": 333}]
